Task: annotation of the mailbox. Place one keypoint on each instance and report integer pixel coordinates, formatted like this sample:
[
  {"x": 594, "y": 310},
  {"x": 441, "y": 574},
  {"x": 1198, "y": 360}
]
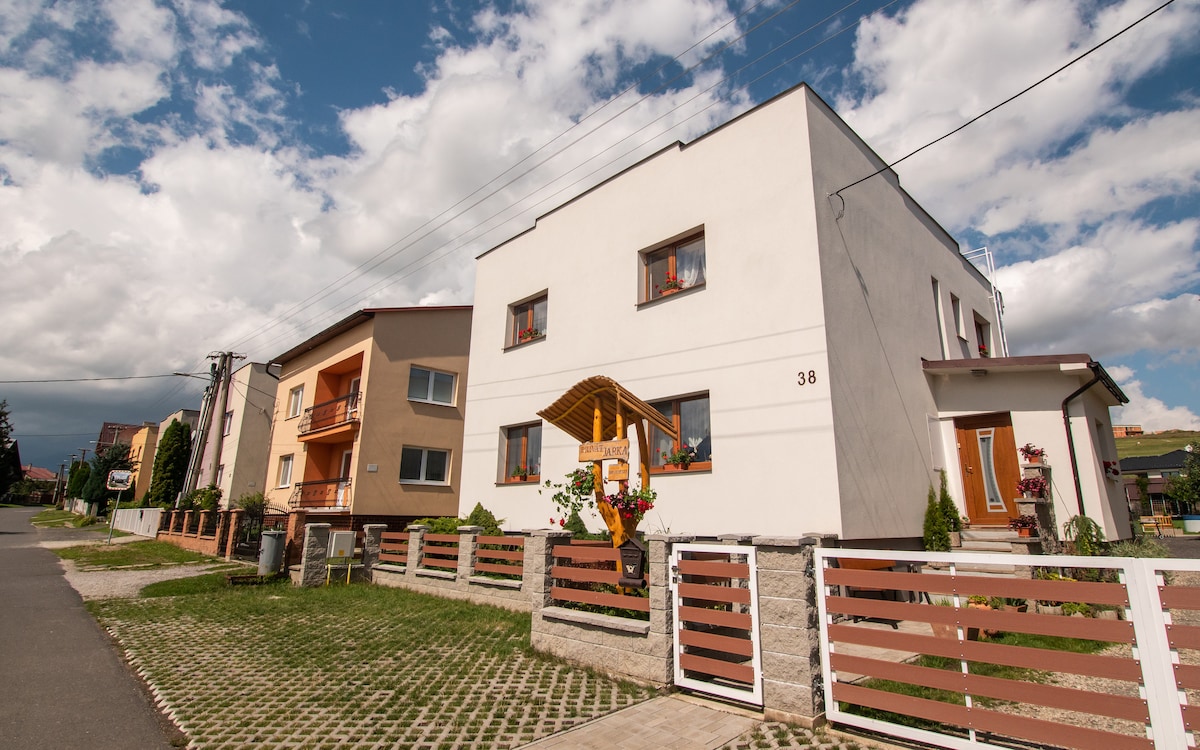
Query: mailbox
[{"x": 633, "y": 563}]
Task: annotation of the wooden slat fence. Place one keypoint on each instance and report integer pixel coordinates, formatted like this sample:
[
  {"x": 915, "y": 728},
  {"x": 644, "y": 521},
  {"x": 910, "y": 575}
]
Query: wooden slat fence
[
  {"x": 440, "y": 552},
  {"x": 871, "y": 615},
  {"x": 500, "y": 556},
  {"x": 393, "y": 547},
  {"x": 589, "y": 574}
]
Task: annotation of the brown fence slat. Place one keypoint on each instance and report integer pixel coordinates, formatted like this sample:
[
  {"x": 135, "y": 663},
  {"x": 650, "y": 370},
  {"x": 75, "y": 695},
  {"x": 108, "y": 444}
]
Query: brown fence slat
[
  {"x": 964, "y": 585},
  {"x": 713, "y": 642},
  {"x": 1187, "y": 676},
  {"x": 390, "y": 557},
  {"x": 993, "y": 653},
  {"x": 716, "y": 617},
  {"x": 717, "y": 668},
  {"x": 511, "y": 541},
  {"x": 500, "y": 554},
  {"x": 589, "y": 554},
  {"x": 437, "y": 562},
  {"x": 584, "y": 575},
  {"x": 395, "y": 536},
  {"x": 1183, "y": 636},
  {"x": 1102, "y": 704},
  {"x": 1115, "y": 631},
  {"x": 511, "y": 570},
  {"x": 451, "y": 539},
  {"x": 726, "y": 594},
  {"x": 1179, "y": 597},
  {"x": 601, "y": 599},
  {"x": 714, "y": 568},
  {"x": 1021, "y": 727}
]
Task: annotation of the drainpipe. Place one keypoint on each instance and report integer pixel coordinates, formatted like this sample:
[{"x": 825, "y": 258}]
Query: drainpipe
[{"x": 1070, "y": 438}]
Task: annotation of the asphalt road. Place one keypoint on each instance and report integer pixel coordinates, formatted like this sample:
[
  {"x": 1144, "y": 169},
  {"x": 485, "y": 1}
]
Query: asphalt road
[{"x": 64, "y": 685}]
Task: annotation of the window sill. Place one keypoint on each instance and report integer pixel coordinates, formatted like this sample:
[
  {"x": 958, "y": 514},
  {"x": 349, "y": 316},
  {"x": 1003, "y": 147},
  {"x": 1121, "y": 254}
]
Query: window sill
[
  {"x": 427, "y": 401},
  {"x": 672, "y": 295},
  {"x": 697, "y": 467},
  {"x": 526, "y": 342},
  {"x": 533, "y": 479},
  {"x": 608, "y": 622},
  {"x": 424, "y": 483}
]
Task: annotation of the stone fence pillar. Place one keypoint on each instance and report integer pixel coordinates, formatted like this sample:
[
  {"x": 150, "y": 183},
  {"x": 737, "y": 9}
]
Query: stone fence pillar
[
  {"x": 789, "y": 619},
  {"x": 416, "y": 546},
  {"x": 658, "y": 571},
  {"x": 372, "y": 539},
  {"x": 316, "y": 552},
  {"x": 293, "y": 549},
  {"x": 466, "y": 552},
  {"x": 538, "y": 560}
]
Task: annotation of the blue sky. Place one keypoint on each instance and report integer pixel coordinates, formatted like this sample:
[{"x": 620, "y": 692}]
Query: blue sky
[{"x": 186, "y": 177}]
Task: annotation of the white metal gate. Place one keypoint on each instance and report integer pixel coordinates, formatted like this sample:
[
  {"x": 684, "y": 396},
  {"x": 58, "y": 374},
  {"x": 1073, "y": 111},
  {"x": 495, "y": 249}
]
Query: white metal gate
[
  {"x": 880, "y": 609},
  {"x": 715, "y": 605}
]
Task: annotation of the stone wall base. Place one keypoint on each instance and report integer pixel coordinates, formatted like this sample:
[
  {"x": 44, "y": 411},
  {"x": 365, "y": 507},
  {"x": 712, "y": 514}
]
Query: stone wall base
[
  {"x": 808, "y": 722},
  {"x": 205, "y": 545},
  {"x": 643, "y": 658},
  {"x": 474, "y": 593}
]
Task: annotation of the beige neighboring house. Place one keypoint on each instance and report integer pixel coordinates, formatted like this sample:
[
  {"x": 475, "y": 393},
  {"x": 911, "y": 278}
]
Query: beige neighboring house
[
  {"x": 190, "y": 417},
  {"x": 235, "y": 452},
  {"x": 141, "y": 453},
  {"x": 823, "y": 350},
  {"x": 369, "y": 418}
]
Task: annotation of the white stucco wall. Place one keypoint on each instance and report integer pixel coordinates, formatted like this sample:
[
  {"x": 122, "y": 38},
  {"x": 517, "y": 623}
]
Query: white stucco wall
[{"x": 742, "y": 338}]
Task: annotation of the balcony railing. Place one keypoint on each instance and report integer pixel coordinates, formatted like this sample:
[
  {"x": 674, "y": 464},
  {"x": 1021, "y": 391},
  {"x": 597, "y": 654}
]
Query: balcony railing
[
  {"x": 323, "y": 493},
  {"x": 330, "y": 414}
]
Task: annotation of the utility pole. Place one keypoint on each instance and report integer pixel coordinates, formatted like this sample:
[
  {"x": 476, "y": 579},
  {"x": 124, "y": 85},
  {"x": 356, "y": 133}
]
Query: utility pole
[
  {"x": 211, "y": 426},
  {"x": 218, "y": 435}
]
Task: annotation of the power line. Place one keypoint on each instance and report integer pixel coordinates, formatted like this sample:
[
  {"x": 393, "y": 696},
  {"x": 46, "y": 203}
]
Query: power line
[
  {"x": 89, "y": 380},
  {"x": 987, "y": 112}
]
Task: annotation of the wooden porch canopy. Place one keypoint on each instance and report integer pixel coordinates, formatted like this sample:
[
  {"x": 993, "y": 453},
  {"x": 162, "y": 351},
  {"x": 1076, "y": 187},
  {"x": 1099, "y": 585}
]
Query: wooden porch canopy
[{"x": 573, "y": 412}]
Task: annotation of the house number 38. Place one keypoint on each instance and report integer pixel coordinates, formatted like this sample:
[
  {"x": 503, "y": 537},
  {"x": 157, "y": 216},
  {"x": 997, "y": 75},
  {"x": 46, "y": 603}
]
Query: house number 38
[{"x": 806, "y": 378}]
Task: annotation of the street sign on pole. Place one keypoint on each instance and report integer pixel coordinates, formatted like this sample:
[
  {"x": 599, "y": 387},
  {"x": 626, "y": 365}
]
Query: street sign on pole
[{"x": 119, "y": 479}]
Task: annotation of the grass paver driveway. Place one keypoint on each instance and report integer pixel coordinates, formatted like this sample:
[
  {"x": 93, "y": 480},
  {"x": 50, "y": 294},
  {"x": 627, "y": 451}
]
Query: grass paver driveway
[{"x": 350, "y": 667}]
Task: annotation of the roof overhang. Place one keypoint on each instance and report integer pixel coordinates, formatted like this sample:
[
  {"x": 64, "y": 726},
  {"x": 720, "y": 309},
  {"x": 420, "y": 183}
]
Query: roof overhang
[
  {"x": 573, "y": 412},
  {"x": 1069, "y": 364}
]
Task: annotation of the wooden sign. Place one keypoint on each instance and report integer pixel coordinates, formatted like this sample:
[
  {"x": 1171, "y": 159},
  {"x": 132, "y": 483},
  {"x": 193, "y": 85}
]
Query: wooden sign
[
  {"x": 618, "y": 472},
  {"x": 606, "y": 450}
]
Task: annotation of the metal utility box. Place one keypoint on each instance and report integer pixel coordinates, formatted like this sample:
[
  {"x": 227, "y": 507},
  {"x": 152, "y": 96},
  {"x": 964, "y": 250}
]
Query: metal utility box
[{"x": 341, "y": 545}]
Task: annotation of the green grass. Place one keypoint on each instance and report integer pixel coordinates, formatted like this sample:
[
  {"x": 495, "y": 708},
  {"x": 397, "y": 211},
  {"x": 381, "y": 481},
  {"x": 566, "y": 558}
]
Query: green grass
[
  {"x": 201, "y": 584},
  {"x": 1002, "y": 671},
  {"x": 1155, "y": 445},
  {"x": 144, "y": 554}
]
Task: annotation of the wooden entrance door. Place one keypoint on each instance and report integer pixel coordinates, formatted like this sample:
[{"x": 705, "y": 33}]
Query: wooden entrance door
[{"x": 987, "y": 454}]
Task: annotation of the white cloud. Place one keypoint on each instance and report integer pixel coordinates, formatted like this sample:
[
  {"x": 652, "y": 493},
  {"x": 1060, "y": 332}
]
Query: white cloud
[{"x": 1149, "y": 412}]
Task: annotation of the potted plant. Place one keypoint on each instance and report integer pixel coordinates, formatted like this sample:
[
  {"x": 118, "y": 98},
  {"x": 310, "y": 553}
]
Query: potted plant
[
  {"x": 1033, "y": 486},
  {"x": 631, "y": 503},
  {"x": 983, "y": 350},
  {"x": 681, "y": 458},
  {"x": 1024, "y": 525},
  {"x": 1032, "y": 454},
  {"x": 670, "y": 285},
  {"x": 520, "y": 473},
  {"x": 528, "y": 334}
]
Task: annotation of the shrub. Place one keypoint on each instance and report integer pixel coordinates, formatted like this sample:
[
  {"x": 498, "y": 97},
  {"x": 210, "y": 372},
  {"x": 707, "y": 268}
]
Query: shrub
[
  {"x": 1084, "y": 535},
  {"x": 1142, "y": 547},
  {"x": 937, "y": 535},
  {"x": 479, "y": 516},
  {"x": 949, "y": 512}
]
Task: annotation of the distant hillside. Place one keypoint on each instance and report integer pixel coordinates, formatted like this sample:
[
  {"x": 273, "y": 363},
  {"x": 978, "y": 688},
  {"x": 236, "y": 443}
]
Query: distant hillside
[{"x": 1155, "y": 445}]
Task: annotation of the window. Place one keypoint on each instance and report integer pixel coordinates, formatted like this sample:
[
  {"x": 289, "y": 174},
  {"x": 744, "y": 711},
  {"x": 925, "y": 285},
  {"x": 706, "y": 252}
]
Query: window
[
  {"x": 527, "y": 320},
  {"x": 220, "y": 474},
  {"x": 937, "y": 311},
  {"x": 227, "y": 425},
  {"x": 673, "y": 268},
  {"x": 523, "y": 453},
  {"x": 430, "y": 385},
  {"x": 983, "y": 337},
  {"x": 285, "y": 471},
  {"x": 295, "y": 401},
  {"x": 956, "y": 311},
  {"x": 424, "y": 466},
  {"x": 690, "y": 416}
]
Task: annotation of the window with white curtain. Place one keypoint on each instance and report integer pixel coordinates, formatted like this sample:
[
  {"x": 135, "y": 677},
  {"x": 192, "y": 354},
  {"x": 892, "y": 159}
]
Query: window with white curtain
[
  {"x": 690, "y": 416},
  {"x": 674, "y": 268}
]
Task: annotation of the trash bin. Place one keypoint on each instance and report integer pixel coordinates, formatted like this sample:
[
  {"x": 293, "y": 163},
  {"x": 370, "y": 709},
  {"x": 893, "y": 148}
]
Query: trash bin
[{"x": 270, "y": 552}]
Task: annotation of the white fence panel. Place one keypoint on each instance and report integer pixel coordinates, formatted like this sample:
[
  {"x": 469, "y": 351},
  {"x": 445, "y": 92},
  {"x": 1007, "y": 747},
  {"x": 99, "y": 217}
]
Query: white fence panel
[{"x": 140, "y": 521}]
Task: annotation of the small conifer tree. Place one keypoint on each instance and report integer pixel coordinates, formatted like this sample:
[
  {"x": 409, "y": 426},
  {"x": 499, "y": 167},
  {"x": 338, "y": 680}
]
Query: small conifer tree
[
  {"x": 949, "y": 511},
  {"x": 937, "y": 536}
]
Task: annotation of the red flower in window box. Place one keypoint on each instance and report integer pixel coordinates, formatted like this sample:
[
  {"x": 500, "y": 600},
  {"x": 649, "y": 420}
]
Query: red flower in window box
[
  {"x": 670, "y": 284},
  {"x": 528, "y": 334}
]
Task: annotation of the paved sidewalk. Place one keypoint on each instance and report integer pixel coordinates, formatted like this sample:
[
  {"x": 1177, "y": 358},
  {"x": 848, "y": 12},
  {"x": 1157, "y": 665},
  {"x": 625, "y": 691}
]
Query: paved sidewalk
[
  {"x": 68, "y": 686},
  {"x": 671, "y": 721}
]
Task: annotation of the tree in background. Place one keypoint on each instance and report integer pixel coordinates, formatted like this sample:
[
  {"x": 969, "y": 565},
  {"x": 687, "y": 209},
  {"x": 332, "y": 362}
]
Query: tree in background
[
  {"x": 170, "y": 465},
  {"x": 77, "y": 479},
  {"x": 1184, "y": 488},
  {"x": 10, "y": 461},
  {"x": 115, "y": 457}
]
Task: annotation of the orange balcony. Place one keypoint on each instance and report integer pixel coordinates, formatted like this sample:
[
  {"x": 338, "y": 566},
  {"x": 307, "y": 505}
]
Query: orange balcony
[
  {"x": 323, "y": 493},
  {"x": 331, "y": 422}
]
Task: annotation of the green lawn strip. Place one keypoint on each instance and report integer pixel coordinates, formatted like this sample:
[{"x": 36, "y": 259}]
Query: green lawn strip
[
  {"x": 371, "y": 661},
  {"x": 53, "y": 517},
  {"x": 1002, "y": 671},
  {"x": 148, "y": 553},
  {"x": 1156, "y": 444},
  {"x": 201, "y": 584}
]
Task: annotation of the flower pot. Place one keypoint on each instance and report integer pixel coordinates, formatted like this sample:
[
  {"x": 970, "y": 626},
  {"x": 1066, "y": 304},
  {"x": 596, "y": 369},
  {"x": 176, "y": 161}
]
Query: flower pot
[
  {"x": 1033, "y": 459},
  {"x": 1049, "y": 609},
  {"x": 1024, "y": 532},
  {"x": 668, "y": 292},
  {"x": 942, "y": 630}
]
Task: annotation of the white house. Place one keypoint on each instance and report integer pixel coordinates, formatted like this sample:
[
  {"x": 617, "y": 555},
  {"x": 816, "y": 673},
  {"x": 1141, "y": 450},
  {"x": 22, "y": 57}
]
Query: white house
[
  {"x": 790, "y": 331},
  {"x": 239, "y": 445}
]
